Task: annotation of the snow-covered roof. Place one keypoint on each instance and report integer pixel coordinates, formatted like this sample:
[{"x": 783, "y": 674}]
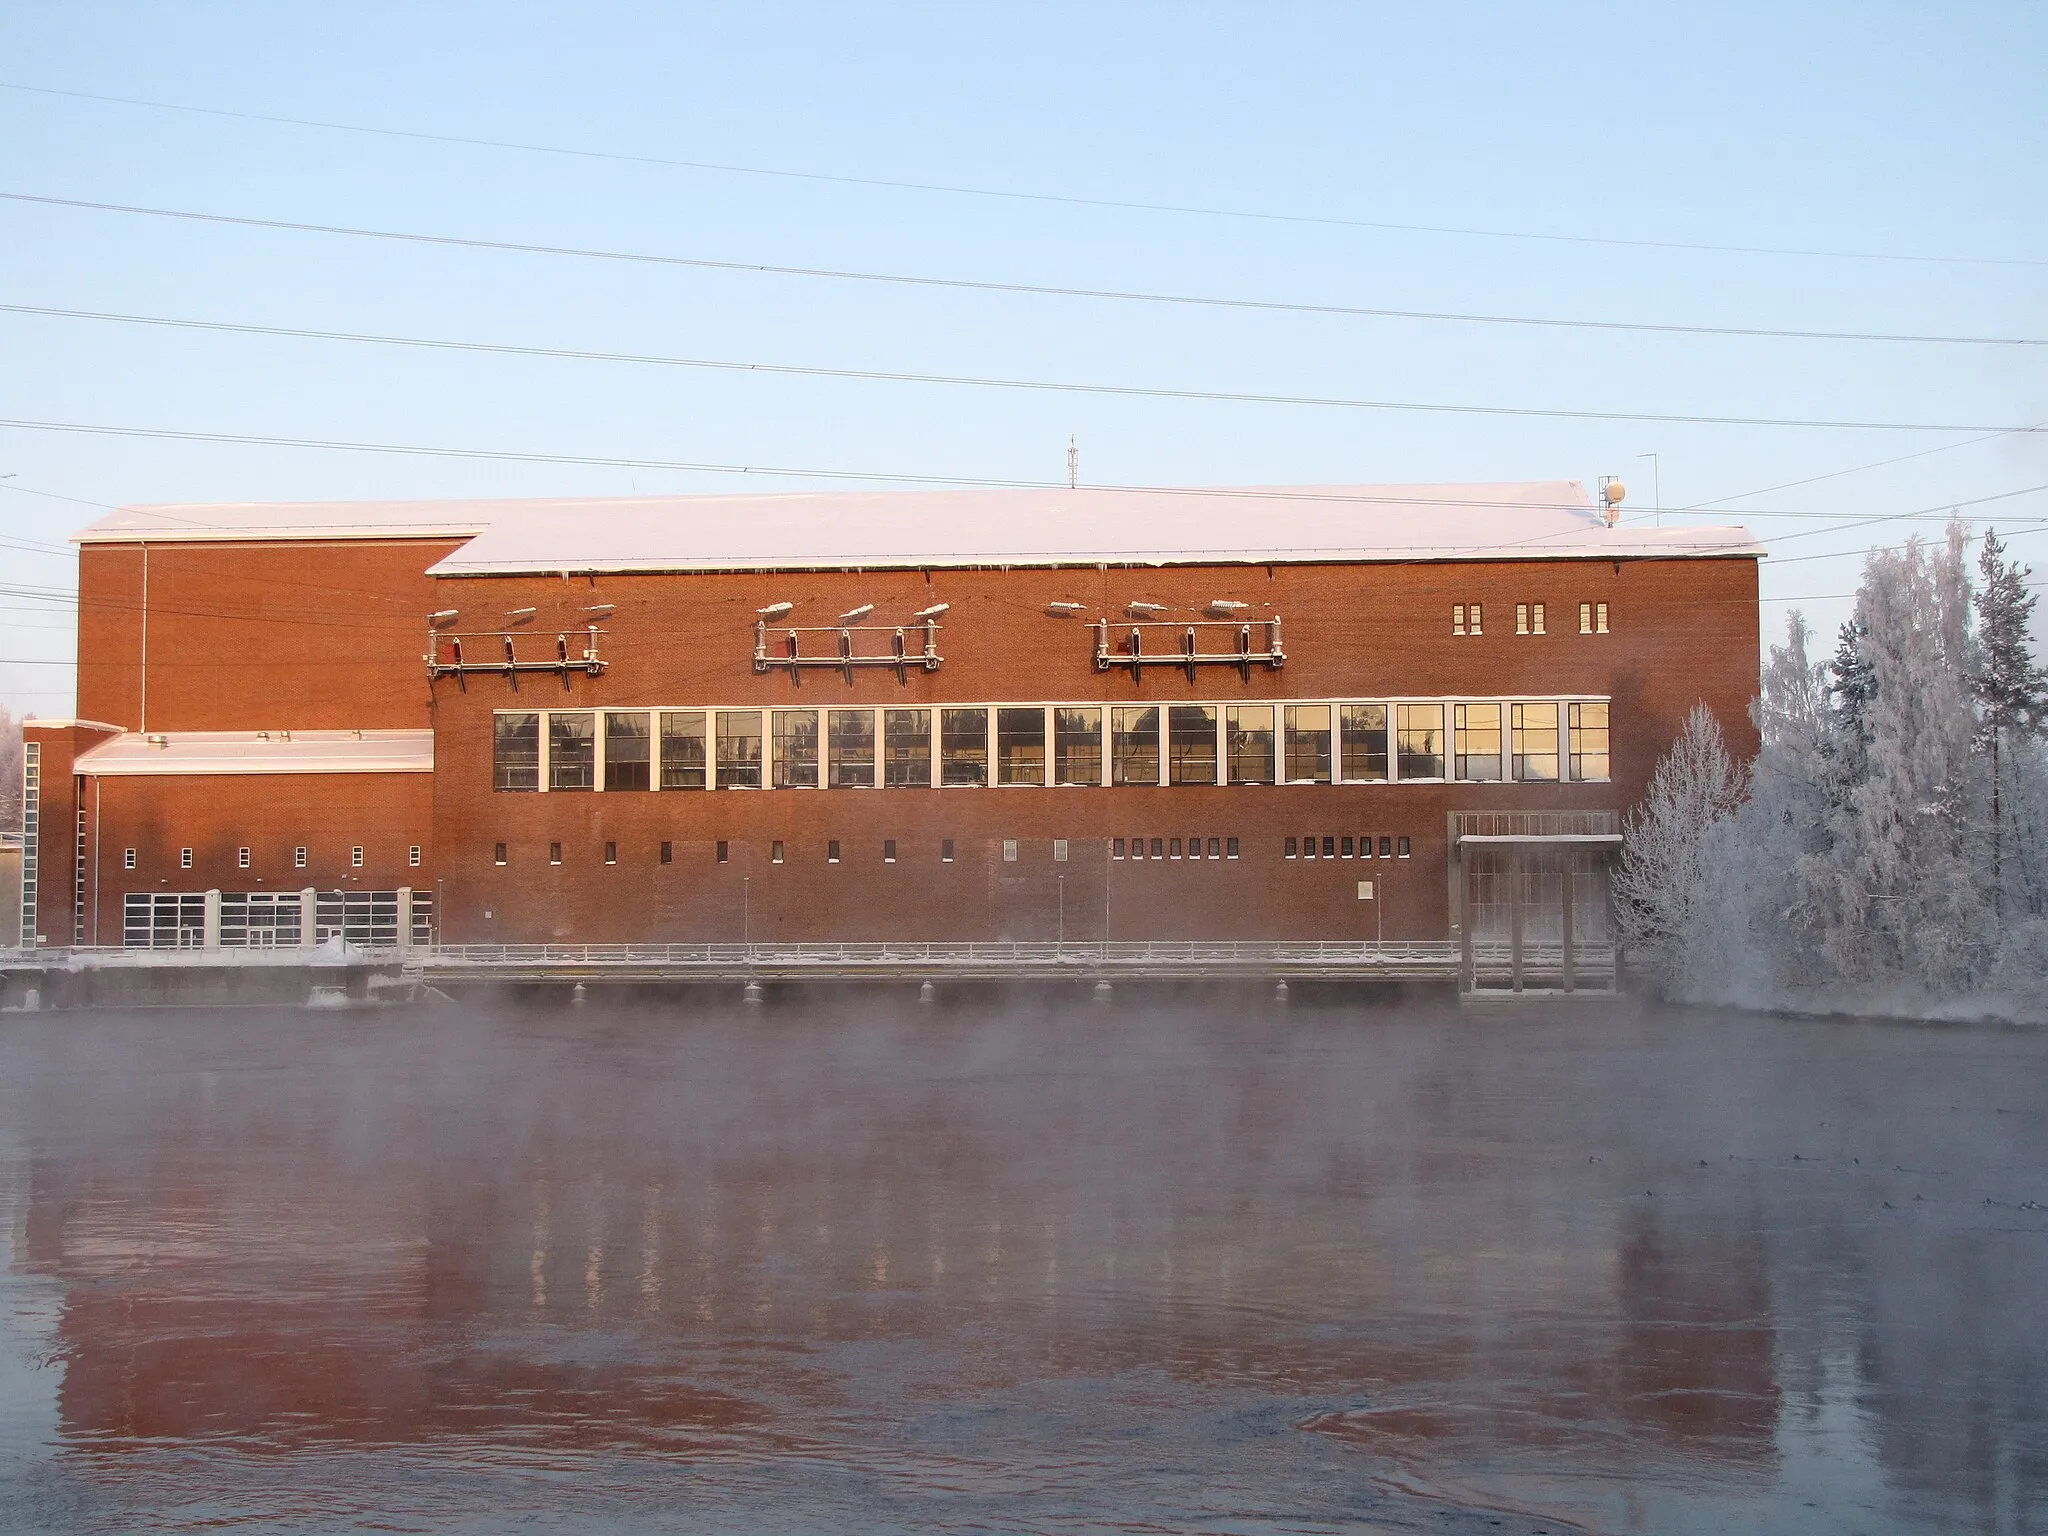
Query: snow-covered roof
[
  {"x": 133, "y": 753},
  {"x": 831, "y": 530}
]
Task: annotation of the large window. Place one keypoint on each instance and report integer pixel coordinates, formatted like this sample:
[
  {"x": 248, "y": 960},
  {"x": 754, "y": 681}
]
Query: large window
[
  {"x": 1478, "y": 741},
  {"x": 515, "y": 752},
  {"x": 572, "y": 751},
  {"x": 1308, "y": 743},
  {"x": 739, "y": 749},
  {"x": 1020, "y": 745},
  {"x": 626, "y": 757},
  {"x": 1362, "y": 732},
  {"x": 1248, "y": 735},
  {"x": 1419, "y": 732},
  {"x": 1535, "y": 740},
  {"x": 850, "y": 748},
  {"x": 1191, "y": 743},
  {"x": 796, "y": 749},
  {"x": 907, "y": 748},
  {"x": 1134, "y": 744},
  {"x": 1589, "y": 740},
  {"x": 963, "y": 746},
  {"x": 682, "y": 749},
  {"x": 1077, "y": 746}
]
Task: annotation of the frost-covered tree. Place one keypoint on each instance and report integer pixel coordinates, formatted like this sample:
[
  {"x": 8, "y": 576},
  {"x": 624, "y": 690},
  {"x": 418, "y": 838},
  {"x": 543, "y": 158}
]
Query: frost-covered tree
[
  {"x": 2011, "y": 688},
  {"x": 1661, "y": 890},
  {"x": 10, "y": 772}
]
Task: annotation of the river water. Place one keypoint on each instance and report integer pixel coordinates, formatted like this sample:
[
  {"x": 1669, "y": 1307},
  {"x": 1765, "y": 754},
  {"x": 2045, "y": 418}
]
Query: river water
[{"x": 854, "y": 1265}]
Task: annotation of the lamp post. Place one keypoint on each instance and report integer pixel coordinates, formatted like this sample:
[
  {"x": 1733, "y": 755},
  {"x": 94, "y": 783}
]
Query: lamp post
[
  {"x": 747, "y": 913},
  {"x": 1062, "y": 879}
]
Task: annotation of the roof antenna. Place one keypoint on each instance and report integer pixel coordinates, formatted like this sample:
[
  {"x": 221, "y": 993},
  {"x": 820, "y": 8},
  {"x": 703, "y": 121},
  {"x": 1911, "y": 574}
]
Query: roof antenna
[{"x": 1073, "y": 464}]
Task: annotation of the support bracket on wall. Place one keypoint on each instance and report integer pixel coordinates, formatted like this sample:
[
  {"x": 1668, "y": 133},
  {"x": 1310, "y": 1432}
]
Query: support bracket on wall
[
  {"x": 1185, "y": 646},
  {"x": 445, "y": 656},
  {"x": 847, "y": 652}
]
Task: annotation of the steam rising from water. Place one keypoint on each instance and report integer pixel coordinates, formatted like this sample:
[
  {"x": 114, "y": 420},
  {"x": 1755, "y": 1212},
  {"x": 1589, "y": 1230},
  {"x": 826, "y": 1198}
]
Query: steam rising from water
[{"x": 860, "y": 1265}]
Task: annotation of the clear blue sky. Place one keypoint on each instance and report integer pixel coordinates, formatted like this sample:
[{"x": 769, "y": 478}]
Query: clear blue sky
[{"x": 1892, "y": 130}]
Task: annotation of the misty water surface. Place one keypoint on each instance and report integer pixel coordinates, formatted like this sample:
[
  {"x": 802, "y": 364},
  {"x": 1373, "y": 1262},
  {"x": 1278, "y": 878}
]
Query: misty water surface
[{"x": 858, "y": 1265}]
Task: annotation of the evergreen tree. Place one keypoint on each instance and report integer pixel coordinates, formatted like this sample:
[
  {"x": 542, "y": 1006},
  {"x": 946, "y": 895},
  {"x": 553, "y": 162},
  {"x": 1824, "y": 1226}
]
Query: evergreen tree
[{"x": 2010, "y": 687}]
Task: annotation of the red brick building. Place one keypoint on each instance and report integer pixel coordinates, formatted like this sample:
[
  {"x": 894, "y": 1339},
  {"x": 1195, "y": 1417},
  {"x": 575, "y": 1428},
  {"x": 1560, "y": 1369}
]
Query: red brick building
[{"x": 1296, "y": 712}]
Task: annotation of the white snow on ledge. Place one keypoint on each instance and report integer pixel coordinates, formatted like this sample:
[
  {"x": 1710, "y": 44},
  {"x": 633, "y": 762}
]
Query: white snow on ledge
[{"x": 135, "y": 754}]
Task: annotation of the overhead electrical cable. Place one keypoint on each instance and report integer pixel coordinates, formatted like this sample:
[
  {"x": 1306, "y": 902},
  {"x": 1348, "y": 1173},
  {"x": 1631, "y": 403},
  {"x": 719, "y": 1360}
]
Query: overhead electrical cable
[
  {"x": 1036, "y": 290},
  {"x": 957, "y": 189}
]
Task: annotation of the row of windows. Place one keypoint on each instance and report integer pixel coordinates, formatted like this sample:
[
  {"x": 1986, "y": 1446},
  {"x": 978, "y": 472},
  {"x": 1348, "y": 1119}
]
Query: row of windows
[
  {"x": 244, "y": 856},
  {"x": 1036, "y": 744},
  {"x": 1530, "y": 619},
  {"x": 1192, "y": 846},
  {"x": 1348, "y": 848}
]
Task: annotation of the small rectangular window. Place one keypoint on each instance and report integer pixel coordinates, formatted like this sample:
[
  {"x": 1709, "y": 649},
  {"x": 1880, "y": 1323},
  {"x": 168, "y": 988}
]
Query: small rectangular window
[
  {"x": 888, "y": 850},
  {"x": 1059, "y": 850},
  {"x": 1521, "y": 618},
  {"x": 1365, "y": 847},
  {"x": 1533, "y": 729},
  {"x": 1419, "y": 729},
  {"x": 1362, "y": 736},
  {"x": 127, "y": 858},
  {"x": 241, "y": 858},
  {"x": 1248, "y": 742},
  {"x": 668, "y": 853},
  {"x": 572, "y": 750},
  {"x": 1230, "y": 848},
  {"x": 963, "y": 746},
  {"x": 1308, "y": 847},
  {"x": 611, "y": 853},
  {"x": 1345, "y": 849},
  {"x": 1308, "y": 743},
  {"x": 907, "y": 748},
  {"x": 1478, "y": 741},
  {"x": 1191, "y": 743},
  {"x": 796, "y": 749},
  {"x": 1585, "y": 618},
  {"x": 1194, "y": 847},
  {"x": 184, "y": 858},
  {"x": 682, "y": 749},
  {"x": 498, "y": 853},
  {"x": 1020, "y": 745},
  {"x": 946, "y": 850},
  {"x": 355, "y": 858},
  {"x": 554, "y": 853},
  {"x": 1404, "y": 847},
  {"x": 1457, "y": 618},
  {"x": 412, "y": 856},
  {"x": 627, "y": 752},
  {"x": 1216, "y": 847},
  {"x": 1158, "y": 847},
  {"x": 850, "y": 748},
  {"x": 515, "y": 751},
  {"x": 1599, "y": 618},
  {"x": 1536, "y": 618},
  {"x": 1293, "y": 848},
  {"x": 299, "y": 857},
  {"x": 1329, "y": 847},
  {"x": 739, "y": 748},
  {"x": 1134, "y": 744},
  {"x": 1387, "y": 847},
  {"x": 832, "y": 851},
  {"x": 1009, "y": 850},
  {"x": 1116, "y": 849},
  {"x": 1077, "y": 745},
  {"x": 1173, "y": 848},
  {"x": 724, "y": 851},
  {"x": 1137, "y": 847},
  {"x": 1475, "y": 620},
  {"x": 775, "y": 853},
  {"x": 1589, "y": 740}
]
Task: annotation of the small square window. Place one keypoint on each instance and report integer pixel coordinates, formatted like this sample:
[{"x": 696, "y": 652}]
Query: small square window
[
  {"x": 241, "y": 858},
  {"x": 1293, "y": 848},
  {"x": 299, "y": 857},
  {"x": 775, "y": 853},
  {"x": 184, "y": 858},
  {"x": 1116, "y": 849},
  {"x": 554, "y": 853},
  {"x": 611, "y": 853},
  {"x": 1404, "y": 847},
  {"x": 668, "y": 853},
  {"x": 832, "y": 851},
  {"x": 1599, "y": 618},
  {"x": 1329, "y": 847},
  {"x": 1230, "y": 848},
  {"x": 498, "y": 854},
  {"x": 1386, "y": 847},
  {"x": 355, "y": 857},
  {"x": 1457, "y": 618},
  {"x": 888, "y": 850},
  {"x": 946, "y": 850},
  {"x": 724, "y": 852},
  {"x": 1009, "y": 850},
  {"x": 1173, "y": 849},
  {"x": 1536, "y": 618},
  {"x": 1059, "y": 850},
  {"x": 1158, "y": 847},
  {"x": 127, "y": 858},
  {"x": 1216, "y": 848},
  {"x": 412, "y": 856},
  {"x": 1345, "y": 850}
]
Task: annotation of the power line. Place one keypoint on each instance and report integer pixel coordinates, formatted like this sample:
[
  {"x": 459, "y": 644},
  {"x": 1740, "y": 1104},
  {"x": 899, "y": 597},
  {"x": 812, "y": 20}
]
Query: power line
[
  {"x": 1055, "y": 386},
  {"x": 1038, "y": 290},
  {"x": 1011, "y": 195}
]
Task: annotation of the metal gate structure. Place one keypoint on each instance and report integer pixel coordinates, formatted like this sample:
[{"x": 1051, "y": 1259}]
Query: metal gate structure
[
  {"x": 274, "y": 919},
  {"x": 1531, "y": 890}
]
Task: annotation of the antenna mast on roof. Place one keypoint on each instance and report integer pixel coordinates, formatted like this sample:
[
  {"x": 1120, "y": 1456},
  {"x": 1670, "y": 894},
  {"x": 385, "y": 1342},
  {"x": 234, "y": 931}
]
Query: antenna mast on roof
[{"x": 1073, "y": 464}]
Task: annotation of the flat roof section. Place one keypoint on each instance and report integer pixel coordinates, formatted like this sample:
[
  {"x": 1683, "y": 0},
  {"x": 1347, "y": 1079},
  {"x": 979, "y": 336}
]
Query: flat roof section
[
  {"x": 836, "y": 530},
  {"x": 134, "y": 754}
]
